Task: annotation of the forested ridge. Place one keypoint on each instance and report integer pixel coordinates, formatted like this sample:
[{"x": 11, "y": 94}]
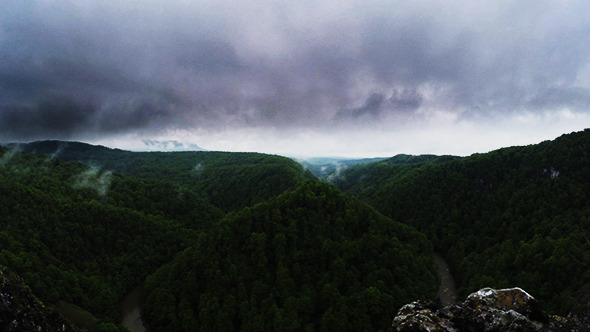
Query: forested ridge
[
  {"x": 311, "y": 259},
  {"x": 82, "y": 235},
  {"x": 229, "y": 180},
  {"x": 516, "y": 216},
  {"x": 248, "y": 241},
  {"x": 81, "y": 247}
]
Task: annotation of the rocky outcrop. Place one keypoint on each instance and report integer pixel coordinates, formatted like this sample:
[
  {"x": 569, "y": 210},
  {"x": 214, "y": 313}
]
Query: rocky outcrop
[
  {"x": 486, "y": 310},
  {"x": 20, "y": 310}
]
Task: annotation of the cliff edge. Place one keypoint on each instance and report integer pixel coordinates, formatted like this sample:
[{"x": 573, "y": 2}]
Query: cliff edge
[
  {"x": 487, "y": 310},
  {"x": 20, "y": 310}
]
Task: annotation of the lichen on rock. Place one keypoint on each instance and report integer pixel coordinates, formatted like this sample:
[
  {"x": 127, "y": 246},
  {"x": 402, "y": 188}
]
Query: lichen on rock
[
  {"x": 20, "y": 310},
  {"x": 488, "y": 309}
]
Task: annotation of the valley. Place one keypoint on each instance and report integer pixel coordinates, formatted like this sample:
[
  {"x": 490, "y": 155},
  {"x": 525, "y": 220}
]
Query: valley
[
  {"x": 447, "y": 294},
  {"x": 131, "y": 312},
  {"x": 248, "y": 241}
]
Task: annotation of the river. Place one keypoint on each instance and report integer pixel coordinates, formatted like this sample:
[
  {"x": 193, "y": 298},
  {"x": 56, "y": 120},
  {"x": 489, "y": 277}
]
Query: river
[
  {"x": 447, "y": 293},
  {"x": 131, "y": 313}
]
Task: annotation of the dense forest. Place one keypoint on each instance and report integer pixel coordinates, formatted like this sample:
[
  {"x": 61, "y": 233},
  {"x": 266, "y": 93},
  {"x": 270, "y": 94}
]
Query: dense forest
[
  {"x": 311, "y": 259},
  {"x": 81, "y": 238},
  {"x": 229, "y": 180},
  {"x": 82, "y": 235},
  {"x": 517, "y": 216},
  {"x": 247, "y": 241}
]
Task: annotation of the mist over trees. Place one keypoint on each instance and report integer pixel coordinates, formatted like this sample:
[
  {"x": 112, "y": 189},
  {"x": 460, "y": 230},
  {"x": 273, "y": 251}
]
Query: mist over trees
[
  {"x": 82, "y": 236},
  {"x": 228, "y": 241},
  {"x": 513, "y": 217}
]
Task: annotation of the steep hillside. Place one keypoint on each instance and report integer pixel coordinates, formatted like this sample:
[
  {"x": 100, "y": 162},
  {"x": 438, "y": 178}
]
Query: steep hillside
[
  {"x": 83, "y": 237},
  {"x": 310, "y": 259},
  {"x": 517, "y": 216},
  {"x": 20, "y": 310},
  {"x": 359, "y": 178},
  {"x": 229, "y": 180}
]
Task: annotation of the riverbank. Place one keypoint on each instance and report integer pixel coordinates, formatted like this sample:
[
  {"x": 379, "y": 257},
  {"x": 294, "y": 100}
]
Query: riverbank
[
  {"x": 447, "y": 293},
  {"x": 131, "y": 313}
]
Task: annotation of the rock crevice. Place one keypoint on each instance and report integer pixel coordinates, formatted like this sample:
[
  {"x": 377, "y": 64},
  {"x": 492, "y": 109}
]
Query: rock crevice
[
  {"x": 20, "y": 310},
  {"x": 487, "y": 310}
]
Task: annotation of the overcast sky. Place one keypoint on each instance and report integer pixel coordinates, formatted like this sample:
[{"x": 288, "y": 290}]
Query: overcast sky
[{"x": 351, "y": 78}]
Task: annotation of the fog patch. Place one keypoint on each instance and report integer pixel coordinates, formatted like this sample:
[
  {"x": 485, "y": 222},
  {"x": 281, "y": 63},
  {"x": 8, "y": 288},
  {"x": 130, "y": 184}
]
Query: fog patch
[
  {"x": 551, "y": 172},
  {"x": 198, "y": 170},
  {"x": 7, "y": 156},
  {"x": 60, "y": 148},
  {"x": 336, "y": 174},
  {"x": 94, "y": 179},
  {"x": 169, "y": 145}
]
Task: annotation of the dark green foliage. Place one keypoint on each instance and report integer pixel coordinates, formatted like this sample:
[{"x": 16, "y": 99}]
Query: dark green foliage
[
  {"x": 361, "y": 178},
  {"x": 85, "y": 236},
  {"x": 293, "y": 254},
  {"x": 228, "y": 180},
  {"x": 310, "y": 259},
  {"x": 517, "y": 216},
  {"x": 324, "y": 168}
]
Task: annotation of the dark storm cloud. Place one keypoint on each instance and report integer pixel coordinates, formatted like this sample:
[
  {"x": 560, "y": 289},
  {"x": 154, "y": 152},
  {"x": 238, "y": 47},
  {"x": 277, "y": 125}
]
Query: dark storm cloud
[
  {"x": 371, "y": 107},
  {"x": 58, "y": 117},
  {"x": 403, "y": 52},
  {"x": 137, "y": 114},
  {"x": 211, "y": 57},
  {"x": 576, "y": 98},
  {"x": 399, "y": 102},
  {"x": 92, "y": 68}
]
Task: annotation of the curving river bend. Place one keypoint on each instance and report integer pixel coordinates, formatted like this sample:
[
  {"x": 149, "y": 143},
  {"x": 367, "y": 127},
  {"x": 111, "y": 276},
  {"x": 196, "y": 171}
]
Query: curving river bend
[
  {"x": 131, "y": 313},
  {"x": 447, "y": 292}
]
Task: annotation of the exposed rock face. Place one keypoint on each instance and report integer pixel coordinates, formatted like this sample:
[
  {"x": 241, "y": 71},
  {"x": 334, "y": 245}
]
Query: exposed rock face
[
  {"x": 20, "y": 310},
  {"x": 486, "y": 310}
]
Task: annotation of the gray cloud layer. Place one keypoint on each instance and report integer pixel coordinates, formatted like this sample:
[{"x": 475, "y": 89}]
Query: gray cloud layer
[{"x": 89, "y": 68}]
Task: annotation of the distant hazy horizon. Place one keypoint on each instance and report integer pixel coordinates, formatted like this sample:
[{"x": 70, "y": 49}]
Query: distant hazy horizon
[
  {"x": 349, "y": 79},
  {"x": 174, "y": 145}
]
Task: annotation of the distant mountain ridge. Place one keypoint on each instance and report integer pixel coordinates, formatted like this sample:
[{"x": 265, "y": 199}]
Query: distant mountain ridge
[
  {"x": 326, "y": 167},
  {"x": 82, "y": 236},
  {"x": 255, "y": 242},
  {"x": 54, "y": 148},
  {"x": 229, "y": 180}
]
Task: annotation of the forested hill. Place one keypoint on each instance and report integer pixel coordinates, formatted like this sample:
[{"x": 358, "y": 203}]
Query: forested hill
[
  {"x": 357, "y": 177},
  {"x": 517, "y": 216},
  {"x": 81, "y": 238},
  {"x": 245, "y": 241},
  {"x": 311, "y": 259},
  {"x": 229, "y": 180}
]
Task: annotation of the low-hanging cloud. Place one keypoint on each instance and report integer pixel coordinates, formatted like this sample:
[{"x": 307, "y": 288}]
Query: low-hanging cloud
[
  {"x": 86, "y": 69},
  {"x": 95, "y": 179},
  {"x": 55, "y": 116},
  {"x": 7, "y": 157}
]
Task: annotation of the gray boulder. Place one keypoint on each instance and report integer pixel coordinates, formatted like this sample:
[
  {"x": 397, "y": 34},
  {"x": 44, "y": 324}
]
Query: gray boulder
[{"x": 485, "y": 310}]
